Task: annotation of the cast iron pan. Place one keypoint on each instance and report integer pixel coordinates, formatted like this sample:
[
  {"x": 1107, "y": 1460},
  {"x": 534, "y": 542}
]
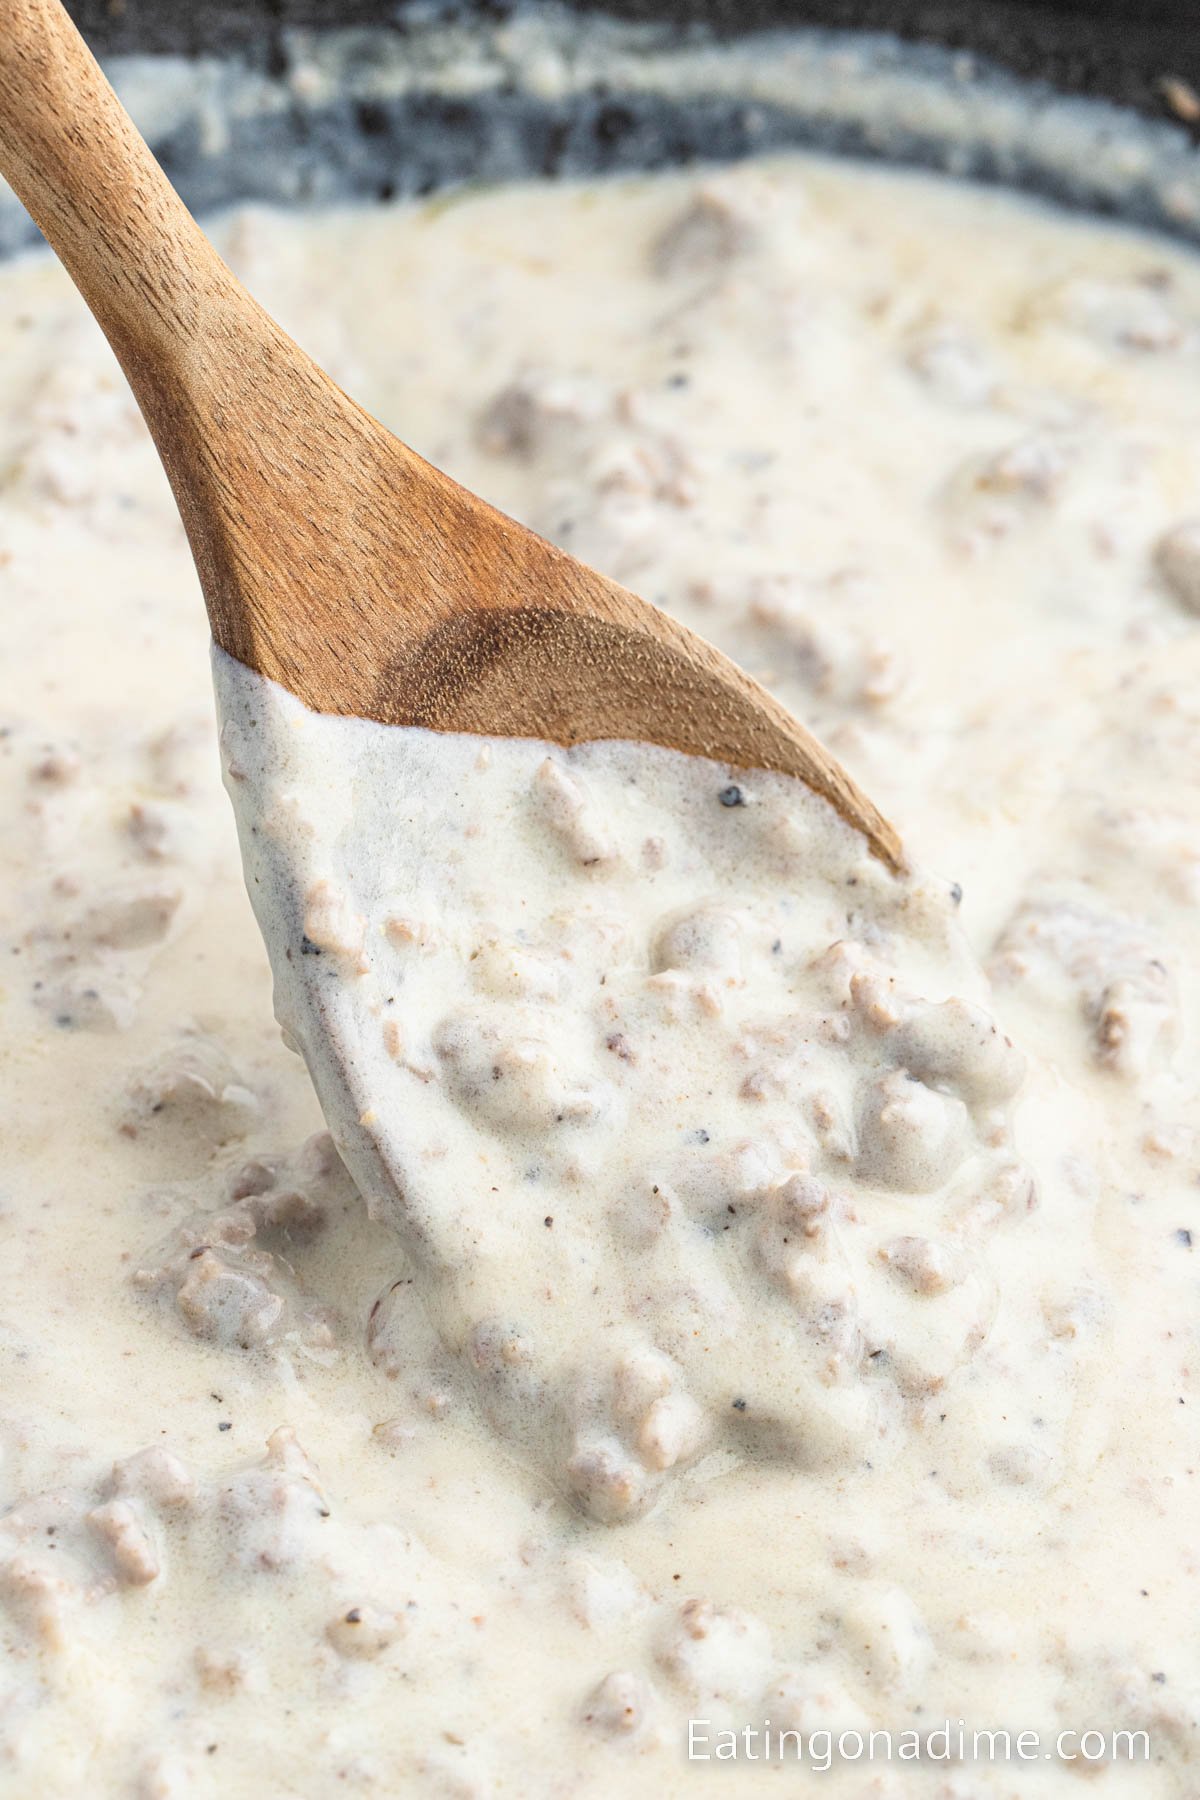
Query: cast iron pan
[
  {"x": 237, "y": 114},
  {"x": 1112, "y": 49}
]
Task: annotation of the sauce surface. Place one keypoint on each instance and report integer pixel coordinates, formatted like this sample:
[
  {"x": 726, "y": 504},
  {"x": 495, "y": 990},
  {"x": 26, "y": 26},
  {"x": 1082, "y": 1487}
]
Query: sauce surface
[{"x": 780, "y": 1302}]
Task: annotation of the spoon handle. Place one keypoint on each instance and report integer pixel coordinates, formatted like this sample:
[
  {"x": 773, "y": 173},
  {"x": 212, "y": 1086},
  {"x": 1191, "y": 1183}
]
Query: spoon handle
[
  {"x": 76, "y": 160},
  {"x": 208, "y": 367}
]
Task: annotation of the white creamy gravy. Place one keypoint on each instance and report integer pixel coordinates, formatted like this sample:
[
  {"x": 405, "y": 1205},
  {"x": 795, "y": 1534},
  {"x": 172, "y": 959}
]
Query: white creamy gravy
[
  {"x": 851, "y": 1381},
  {"x": 594, "y": 1031}
]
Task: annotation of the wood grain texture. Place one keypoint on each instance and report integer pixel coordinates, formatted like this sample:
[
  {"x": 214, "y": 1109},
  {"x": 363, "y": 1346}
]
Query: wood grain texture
[{"x": 333, "y": 558}]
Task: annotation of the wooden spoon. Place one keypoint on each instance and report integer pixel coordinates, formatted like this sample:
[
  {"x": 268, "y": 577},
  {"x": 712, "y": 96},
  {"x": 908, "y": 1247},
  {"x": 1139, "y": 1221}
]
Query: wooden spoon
[{"x": 332, "y": 558}]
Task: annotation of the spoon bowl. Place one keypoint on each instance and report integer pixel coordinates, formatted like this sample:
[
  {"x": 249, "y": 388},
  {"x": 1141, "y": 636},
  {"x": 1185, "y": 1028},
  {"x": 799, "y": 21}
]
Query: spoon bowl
[{"x": 333, "y": 558}]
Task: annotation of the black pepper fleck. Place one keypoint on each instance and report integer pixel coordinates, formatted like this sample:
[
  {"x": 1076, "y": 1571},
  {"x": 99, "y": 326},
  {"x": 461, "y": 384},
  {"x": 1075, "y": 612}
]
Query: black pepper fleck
[{"x": 731, "y": 796}]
